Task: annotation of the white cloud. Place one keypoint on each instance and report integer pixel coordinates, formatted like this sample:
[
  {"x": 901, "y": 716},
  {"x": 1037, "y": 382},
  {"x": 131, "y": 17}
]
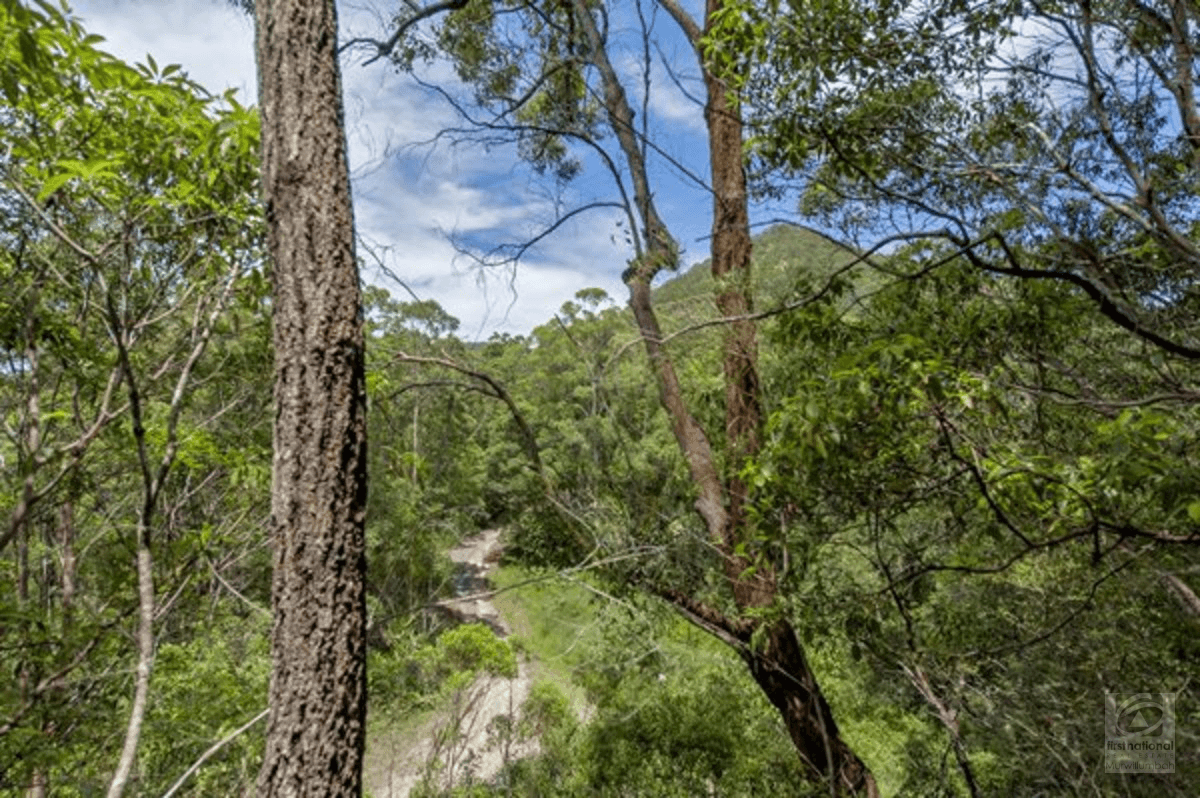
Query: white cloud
[
  {"x": 210, "y": 39},
  {"x": 406, "y": 199},
  {"x": 584, "y": 252}
]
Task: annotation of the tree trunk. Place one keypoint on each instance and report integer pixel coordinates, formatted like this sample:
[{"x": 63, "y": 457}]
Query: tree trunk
[
  {"x": 731, "y": 248},
  {"x": 316, "y": 725},
  {"x": 780, "y": 666},
  {"x": 143, "y": 669},
  {"x": 782, "y": 672}
]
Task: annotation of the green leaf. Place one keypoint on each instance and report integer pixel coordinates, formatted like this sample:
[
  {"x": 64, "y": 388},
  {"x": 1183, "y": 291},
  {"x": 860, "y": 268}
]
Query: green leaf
[
  {"x": 8, "y": 83},
  {"x": 53, "y": 184}
]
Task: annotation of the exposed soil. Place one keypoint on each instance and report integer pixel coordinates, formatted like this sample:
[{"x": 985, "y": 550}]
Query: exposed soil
[{"x": 397, "y": 763}]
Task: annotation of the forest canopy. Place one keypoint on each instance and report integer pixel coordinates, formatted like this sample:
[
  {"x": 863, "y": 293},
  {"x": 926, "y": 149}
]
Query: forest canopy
[{"x": 897, "y": 498}]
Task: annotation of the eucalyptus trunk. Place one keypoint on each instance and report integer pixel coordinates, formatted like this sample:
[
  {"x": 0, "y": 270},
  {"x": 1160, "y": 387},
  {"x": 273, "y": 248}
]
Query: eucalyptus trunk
[
  {"x": 316, "y": 723},
  {"x": 780, "y": 666}
]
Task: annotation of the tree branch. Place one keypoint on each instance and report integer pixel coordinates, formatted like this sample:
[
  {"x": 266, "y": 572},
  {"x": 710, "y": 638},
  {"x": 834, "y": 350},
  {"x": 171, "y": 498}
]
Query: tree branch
[
  {"x": 212, "y": 750},
  {"x": 384, "y": 48}
]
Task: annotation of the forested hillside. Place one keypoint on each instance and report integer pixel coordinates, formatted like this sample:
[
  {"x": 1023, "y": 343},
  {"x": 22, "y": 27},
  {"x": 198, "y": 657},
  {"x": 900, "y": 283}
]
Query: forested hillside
[{"x": 911, "y": 515}]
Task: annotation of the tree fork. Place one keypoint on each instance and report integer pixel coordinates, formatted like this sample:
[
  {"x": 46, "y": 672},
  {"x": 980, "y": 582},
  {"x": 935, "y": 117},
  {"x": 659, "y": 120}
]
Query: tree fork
[{"x": 778, "y": 664}]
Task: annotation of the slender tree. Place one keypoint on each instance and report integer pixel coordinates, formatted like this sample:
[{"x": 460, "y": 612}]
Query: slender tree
[
  {"x": 119, "y": 277},
  {"x": 316, "y": 730}
]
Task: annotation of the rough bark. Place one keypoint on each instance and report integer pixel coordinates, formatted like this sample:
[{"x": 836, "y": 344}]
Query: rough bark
[
  {"x": 316, "y": 724},
  {"x": 778, "y": 664},
  {"x": 731, "y": 248},
  {"x": 780, "y": 667}
]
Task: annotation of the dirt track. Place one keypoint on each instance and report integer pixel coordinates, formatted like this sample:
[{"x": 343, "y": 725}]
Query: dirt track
[{"x": 396, "y": 765}]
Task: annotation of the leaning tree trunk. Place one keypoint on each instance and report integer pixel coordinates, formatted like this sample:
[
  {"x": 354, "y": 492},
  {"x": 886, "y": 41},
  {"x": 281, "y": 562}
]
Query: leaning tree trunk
[
  {"x": 779, "y": 667},
  {"x": 783, "y": 674},
  {"x": 316, "y": 725}
]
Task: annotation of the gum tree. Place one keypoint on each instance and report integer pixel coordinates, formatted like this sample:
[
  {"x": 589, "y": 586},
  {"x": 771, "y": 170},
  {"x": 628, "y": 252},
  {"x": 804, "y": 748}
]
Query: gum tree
[
  {"x": 1041, "y": 160},
  {"x": 316, "y": 727}
]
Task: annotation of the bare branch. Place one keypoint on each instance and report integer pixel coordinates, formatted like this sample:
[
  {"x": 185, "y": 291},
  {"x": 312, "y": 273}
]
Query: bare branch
[
  {"x": 384, "y": 48},
  {"x": 948, "y": 717},
  {"x": 691, "y": 29},
  {"x": 528, "y": 440},
  {"x": 1184, "y": 594},
  {"x": 212, "y": 751}
]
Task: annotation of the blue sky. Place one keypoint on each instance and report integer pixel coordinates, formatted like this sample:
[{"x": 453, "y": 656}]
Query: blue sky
[{"x": 408, "y": 198}]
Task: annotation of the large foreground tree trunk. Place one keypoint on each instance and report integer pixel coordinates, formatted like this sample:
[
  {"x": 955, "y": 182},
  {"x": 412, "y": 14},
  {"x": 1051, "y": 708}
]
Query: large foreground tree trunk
[{"x": 316, "y": 725}]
